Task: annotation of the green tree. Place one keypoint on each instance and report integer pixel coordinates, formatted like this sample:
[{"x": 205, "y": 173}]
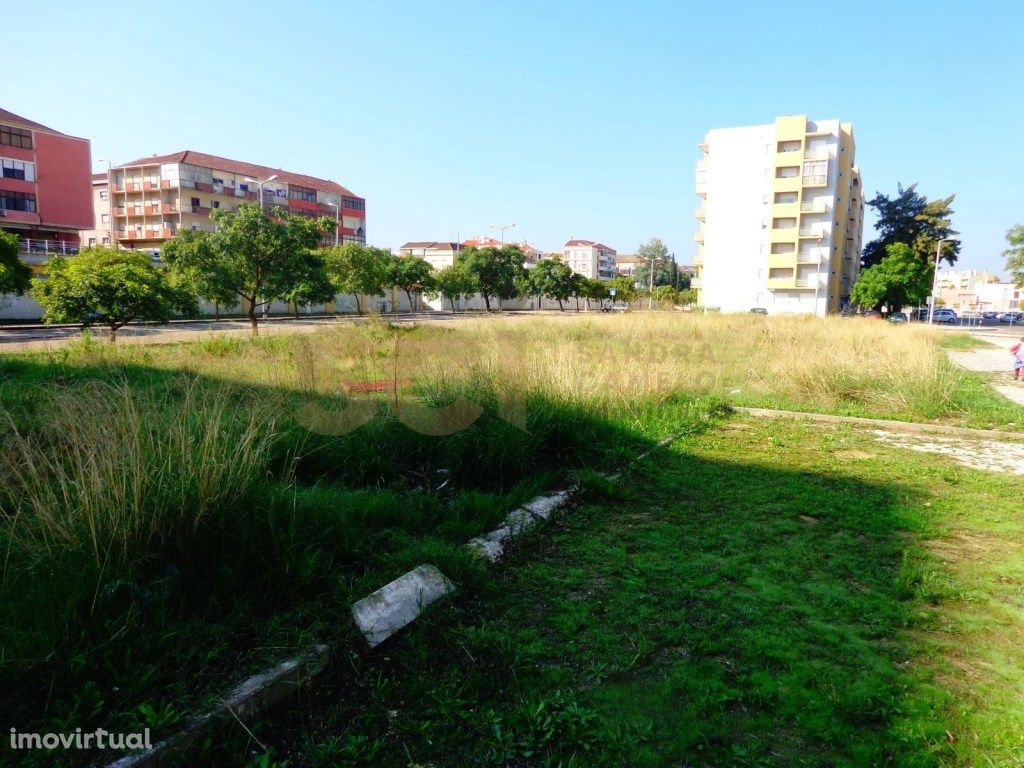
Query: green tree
[
  {"x": 410, "y": 273},
  {"x": 252, "y": 256},
  {"x": 452, "y": 282},
  {"x": 358, "y": 269},
  {"x": 665, "y": 294},
  {"x": 553, "y": 279},
  {"x": 687, "y": 296},
  {"x": 15, "y": 275},
  {"x": 1015, "y": 253},
  {"x": 494, "y": 269},
  {"x": 591, "y": 289},
  {"x": 110, "y": 287},
  {"x": 309, "y": 284},
  {"x": 911, "y": 219},
  {"x": 665, "y": 272},
  {"x": 901, "y": 278},
  {"x": 624, "y": 287}
]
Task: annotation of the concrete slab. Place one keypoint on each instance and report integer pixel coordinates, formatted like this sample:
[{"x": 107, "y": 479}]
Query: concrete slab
[{"x": 381, "y": 614}]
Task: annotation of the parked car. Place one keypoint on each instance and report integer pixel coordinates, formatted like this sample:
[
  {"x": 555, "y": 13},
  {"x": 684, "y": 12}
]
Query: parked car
[
  {"x": 873, "y": 314},
  {"x": 620, "y": 306},
  {"x": 1011, "y": 317},
  {"x": 989, "y": 315},
  {"x": 971, "y": 315},
  {"x": 942, "y": 315},
  {"x": 759, "y": 311},
  {"x": 898, "y": 317}
]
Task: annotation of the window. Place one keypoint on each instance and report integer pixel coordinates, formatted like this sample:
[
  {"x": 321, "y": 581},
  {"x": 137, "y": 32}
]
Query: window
[
  {"x": 106, "y": 241},
  {"x": 16, "y": 169},
  {"x": 195, "y": 202},
  {"x": 92, "y": 241},
  {"x": 103, "y": 194},
  {"x": 353, "y": 203},
  {"x": 105, "y": 218},
  {"x": 244, "y": 187},
  {"x": 15, "y": 137},
  {"x": 216, "y": 203},
  {"x": 302, "y": 193},
  {"x": 17, "y": 201}
]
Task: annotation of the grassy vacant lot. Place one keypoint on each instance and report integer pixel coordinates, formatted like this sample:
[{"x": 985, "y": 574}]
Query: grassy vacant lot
[{"x": 175, "y": 516}]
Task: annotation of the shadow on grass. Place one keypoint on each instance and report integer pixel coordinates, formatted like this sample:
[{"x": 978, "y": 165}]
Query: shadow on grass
[
  {"x": 147, "y": 636},
  {"x": 701, "y": 611}
]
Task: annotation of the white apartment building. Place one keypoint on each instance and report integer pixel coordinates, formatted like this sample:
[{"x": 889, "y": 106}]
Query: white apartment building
[
  {"x": 437, "y": 255},
  {"x": 781, "y": 217},
  {"x": 590, "y": 259}
]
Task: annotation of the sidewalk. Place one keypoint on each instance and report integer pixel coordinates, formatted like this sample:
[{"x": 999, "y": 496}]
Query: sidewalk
[{"x": 996, "y": 359}]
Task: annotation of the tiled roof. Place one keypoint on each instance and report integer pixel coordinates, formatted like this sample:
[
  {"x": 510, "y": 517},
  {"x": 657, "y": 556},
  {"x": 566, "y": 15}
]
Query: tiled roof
[
  {"x": 590, "y": 244},
  {"x": 99, "y": 177},
  {"x": 490, "y": 242},
  {"x": 13, "y": 119},
  {"x": 440, "y": 246},
  {"x": 252, "y": 170}
]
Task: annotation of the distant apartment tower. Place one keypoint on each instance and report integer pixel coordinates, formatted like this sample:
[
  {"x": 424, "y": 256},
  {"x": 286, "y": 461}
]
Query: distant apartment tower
[
  {"x": 781, "y": 217},
  {"x": 44, "y": 185},
  {"x": 102, "y": 232},
  {"x": 154, "y": 198},
  {"x": 590, "y": 259}
]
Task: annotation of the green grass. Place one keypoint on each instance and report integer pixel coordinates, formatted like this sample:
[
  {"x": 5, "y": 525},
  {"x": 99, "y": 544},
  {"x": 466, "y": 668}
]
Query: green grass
[
  {"x": 172, "y": 520},
  {"x": 770, "y": 594}
]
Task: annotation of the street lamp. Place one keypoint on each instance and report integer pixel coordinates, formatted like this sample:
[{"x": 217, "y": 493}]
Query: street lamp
[
  {"x": 502, "y": 228},
  {"x": 650, "y": 295},
  {"x": 260, "y": 183},
  {"x": 935, "y": 276},
  {"x": 337, "y": 221}
]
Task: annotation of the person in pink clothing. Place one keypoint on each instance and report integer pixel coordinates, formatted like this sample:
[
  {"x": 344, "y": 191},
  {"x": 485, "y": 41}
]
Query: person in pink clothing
[{"x": 1017, "y": 350}]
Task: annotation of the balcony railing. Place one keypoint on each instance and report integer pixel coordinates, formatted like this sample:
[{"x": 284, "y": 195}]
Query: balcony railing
[
  {"x": 815, "y": 181},
  {"x": 30, "y": 245},
  {"x": 812, "y": 206},
  {"x": 698, "y": 237},
  {"x": 815, "y": 154},
  {"x": 810, "y": 232},
  {"x": 698, "y": 213}
]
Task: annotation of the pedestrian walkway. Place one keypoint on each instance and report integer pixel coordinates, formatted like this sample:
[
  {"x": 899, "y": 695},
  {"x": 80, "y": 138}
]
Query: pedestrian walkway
[{"x": 993, "y": 359}]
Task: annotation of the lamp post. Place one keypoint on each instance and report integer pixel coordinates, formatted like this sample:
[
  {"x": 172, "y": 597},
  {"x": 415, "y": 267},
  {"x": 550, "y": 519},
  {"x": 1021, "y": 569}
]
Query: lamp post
[
  {"x": 650, "y": 293},
  {"x": 337, "y": 221},
  {"x": 502, "y": 228},
  {"x": 935, "y": 276},
  {"x": 260, "y": 184}
]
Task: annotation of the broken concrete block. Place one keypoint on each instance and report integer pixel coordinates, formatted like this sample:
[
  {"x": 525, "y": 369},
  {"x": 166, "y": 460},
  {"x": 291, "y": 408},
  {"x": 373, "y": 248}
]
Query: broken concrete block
[
  {"x": 543, "y": 506},
  {"x": 382, "y": 613},
  {"x": 491, "y": 545}
]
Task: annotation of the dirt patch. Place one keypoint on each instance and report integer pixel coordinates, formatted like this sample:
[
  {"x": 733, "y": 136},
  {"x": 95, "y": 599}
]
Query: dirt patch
[{"x": 854, "y": 454}]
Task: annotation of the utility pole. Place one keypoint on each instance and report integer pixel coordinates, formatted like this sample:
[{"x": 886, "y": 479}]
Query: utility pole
[{"x": 935, "y": 276}]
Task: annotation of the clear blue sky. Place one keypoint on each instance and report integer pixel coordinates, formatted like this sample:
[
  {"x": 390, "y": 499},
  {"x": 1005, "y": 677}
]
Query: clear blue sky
[{"x": 572, "y": 119}]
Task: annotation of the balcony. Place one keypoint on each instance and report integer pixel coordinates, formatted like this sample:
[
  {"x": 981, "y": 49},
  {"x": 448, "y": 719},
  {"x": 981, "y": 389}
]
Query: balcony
[
  {"x": 695, "y": 282},
  {"x": 812, "y": 206},
  {"x": 166, "y": 184},
  {"x": 698, "y": 237},
  {"x": 219, "y": 190},
  {"x": 816, "y": 154},
  {"x": 147, "y": 185},
  {"x": 698, "y": 213},
  {"x": 43, "y": 247},
  {"x": 203, "y": 186},
  {"x": 198, "y": 210},
  {"x": 168, "y": 208},
  {"x": 702, "y": 164},
  {"x": 815, "y": 181},
  {"x": 811, "y": 232}
]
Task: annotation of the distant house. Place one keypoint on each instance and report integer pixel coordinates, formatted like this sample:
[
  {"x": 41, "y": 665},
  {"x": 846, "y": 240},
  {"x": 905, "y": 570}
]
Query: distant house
[
  {"x": 437, "y": 254},
  {"x": 627, "y": 264},
  {"x": 531, "y": 254},
  {"x": 590, "y": 259}
]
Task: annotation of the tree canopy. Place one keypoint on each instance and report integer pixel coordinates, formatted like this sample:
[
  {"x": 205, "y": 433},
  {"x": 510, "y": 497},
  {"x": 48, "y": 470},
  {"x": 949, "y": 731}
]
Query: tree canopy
[
  {"x": 453, "y": 282},
  {"x": 108, "y": 286},
  {"x": 494, "y": 270},
  {"x": 410, "y": 273},
  {"x": 252, "y": 256},
  {"x": 15, "y": 275},
  {"x": 912, "y": 219},
  {"x": 553, "y": 279},
  {"x": 665, "y": 272},
  {"x": 900, "y": 279},
  {"x": 1015, "y": 253},
  {"x": 625, "y": 288},
  {"x": 358, "y": 269}
]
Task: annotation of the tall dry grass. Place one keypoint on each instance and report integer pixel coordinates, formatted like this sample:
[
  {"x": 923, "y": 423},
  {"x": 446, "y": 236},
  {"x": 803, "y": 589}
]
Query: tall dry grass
[{"x": 115, "y": 467}]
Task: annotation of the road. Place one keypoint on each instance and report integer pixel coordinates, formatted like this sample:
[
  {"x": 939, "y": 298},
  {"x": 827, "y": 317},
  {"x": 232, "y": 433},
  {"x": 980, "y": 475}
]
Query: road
[{"x": 14, "y": 338}]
